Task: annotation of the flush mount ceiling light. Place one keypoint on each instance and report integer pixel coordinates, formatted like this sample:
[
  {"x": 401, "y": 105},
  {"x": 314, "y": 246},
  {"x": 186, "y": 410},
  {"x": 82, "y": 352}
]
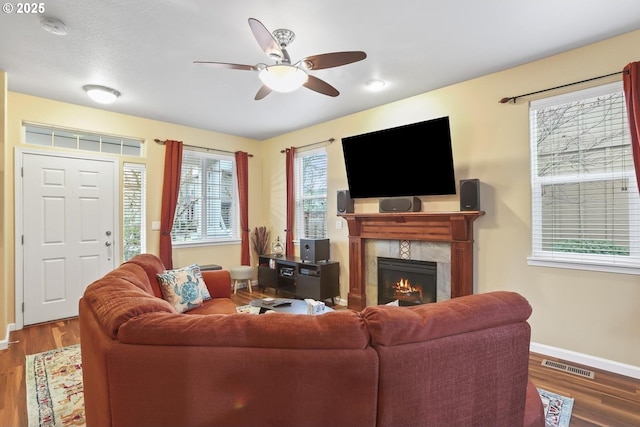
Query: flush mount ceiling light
[
  {"x": 283, "y": 77},
  {"x": 376, "y": 84},
  {"x": 101, "y": 94}
]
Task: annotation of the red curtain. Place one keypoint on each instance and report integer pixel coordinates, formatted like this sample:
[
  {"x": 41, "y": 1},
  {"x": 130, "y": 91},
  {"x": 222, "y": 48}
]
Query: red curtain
[
  {"x": 631, "y": 81},
  {"x": 291, "y": 197},
  {"x": 242, "y": 170},
  {"x": 170, "y": 188}
]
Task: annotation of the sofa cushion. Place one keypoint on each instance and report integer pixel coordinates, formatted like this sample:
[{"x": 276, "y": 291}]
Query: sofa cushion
[
  {"x": 152, "y": 265},
  {"x": 135, "y": 275},
  {"x": 276, "y": 330},
  {"x": 390, "y": 325},
  {"x": 182, "y": 288},
  {"x": 114, "y": 300}
]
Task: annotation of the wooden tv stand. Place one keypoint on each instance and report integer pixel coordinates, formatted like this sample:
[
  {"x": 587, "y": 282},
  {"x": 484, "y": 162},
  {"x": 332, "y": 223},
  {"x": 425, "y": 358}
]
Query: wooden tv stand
[{"x": 319, "y": 281}]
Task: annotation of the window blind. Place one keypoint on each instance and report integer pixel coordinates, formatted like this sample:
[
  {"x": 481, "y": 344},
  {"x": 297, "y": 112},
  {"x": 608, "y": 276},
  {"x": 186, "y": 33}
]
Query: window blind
[
  {"x": 206, "y": 200},
  {"x": 311, "y": 194},
  {"x": 133, "y": 210},
  {"x": 585, "y": 202}
]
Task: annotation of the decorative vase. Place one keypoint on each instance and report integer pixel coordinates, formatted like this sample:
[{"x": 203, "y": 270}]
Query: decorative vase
[{"x": 277, "y": 247}]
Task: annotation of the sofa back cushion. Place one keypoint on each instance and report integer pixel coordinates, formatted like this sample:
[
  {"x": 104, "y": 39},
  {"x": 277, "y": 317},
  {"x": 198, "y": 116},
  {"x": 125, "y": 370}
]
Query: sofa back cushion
[
  {"x": 390, "y": 325},
  {"x": 120, "y": 296},
  {"x": 458, "y": 362},
  {"x": 152, "y": 265},
  {"x": 343, "y": 329}
]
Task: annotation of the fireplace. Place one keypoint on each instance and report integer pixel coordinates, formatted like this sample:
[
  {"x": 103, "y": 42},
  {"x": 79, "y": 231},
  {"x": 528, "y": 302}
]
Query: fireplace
[
  {"x": 410, "y": 282},
  {"x": 455, "y": 229}
]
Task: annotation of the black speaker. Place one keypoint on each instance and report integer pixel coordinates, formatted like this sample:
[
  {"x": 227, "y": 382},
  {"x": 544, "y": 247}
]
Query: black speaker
[
  {"x": 469, "y": 194},
  {"x": 400, "y": 204},
  {"x": 314, "y": 250},
  {"x": 345, "y": 202}
]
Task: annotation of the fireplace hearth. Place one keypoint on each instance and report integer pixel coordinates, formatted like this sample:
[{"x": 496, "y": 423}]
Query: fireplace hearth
[{"x": 411, "y": 282}]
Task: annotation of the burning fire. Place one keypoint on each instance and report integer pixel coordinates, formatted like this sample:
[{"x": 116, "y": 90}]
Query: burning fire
[{"x": 403, "y": 289}]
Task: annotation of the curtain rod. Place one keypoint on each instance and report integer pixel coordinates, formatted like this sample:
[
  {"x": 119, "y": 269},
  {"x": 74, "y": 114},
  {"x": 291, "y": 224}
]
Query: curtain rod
[
  {"x": 513, "y": 98},
  {"x": 330, "y": 140},
  {"x": 163, "y": 142}
]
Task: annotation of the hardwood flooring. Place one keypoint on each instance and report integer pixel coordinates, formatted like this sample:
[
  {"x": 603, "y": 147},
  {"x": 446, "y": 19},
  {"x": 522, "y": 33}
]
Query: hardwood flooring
[{"x": 608, "y": 400}]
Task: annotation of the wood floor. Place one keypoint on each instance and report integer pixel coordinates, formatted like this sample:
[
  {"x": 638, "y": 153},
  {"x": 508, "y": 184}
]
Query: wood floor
[{"x": 608, "y": 400}]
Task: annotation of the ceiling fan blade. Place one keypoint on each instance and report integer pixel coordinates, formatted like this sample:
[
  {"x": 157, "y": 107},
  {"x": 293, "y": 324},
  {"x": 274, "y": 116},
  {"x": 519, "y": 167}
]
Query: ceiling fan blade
[
  {"x": 227, "y": 65},
  {"x": 335, "y": 59},
  {"x": 262, "y": 92},
  {"x": 265, "y": 39},
  {"x": 321, "y": 86}
]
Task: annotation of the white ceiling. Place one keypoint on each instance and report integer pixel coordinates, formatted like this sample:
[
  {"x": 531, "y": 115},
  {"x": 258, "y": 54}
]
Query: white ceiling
[{"x": 145, "y": 49}]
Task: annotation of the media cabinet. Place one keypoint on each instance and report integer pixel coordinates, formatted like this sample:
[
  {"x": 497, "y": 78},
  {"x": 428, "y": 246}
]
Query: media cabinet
[{"x": 319, "y": 280}]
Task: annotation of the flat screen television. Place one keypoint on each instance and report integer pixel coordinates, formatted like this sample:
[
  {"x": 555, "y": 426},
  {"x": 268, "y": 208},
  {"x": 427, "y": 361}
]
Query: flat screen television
[{"x": 409, "y": 160}]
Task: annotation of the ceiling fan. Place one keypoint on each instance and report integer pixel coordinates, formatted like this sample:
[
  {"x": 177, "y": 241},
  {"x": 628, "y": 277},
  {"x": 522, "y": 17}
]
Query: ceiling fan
[{"x": 283, "y": 76}]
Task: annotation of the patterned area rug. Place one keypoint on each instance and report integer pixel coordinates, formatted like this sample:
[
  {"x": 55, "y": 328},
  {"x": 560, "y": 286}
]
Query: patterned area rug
[
  {"x": 54, "y": 388},
  {"x": 557, "y": 409}
]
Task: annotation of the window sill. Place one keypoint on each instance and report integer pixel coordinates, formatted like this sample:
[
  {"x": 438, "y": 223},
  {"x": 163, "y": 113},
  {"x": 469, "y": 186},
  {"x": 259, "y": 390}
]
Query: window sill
[
  {"x": 572, "y": 265},
  {"x": 180, "y": 245}
]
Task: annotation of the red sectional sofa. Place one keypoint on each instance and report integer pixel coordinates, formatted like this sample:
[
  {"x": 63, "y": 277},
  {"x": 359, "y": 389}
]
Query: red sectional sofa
[{"x": 455, "y": 363}]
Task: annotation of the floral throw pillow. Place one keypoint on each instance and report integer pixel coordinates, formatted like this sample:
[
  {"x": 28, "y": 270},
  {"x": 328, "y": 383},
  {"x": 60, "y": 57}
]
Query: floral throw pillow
[
  {"x": 183, "y": 288},
  {"x": 203, "y": 287}
]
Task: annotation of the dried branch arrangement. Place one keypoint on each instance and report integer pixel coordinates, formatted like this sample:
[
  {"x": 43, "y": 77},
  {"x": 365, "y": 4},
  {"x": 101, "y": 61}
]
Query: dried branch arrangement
[{"x": 260, "y": 240}]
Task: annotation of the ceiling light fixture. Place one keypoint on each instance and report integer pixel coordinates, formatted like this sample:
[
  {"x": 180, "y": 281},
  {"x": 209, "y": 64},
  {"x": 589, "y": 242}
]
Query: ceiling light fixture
[
  {"x": 376, "y": 84},
  {"x": 283, "y": 77},
  {"x": 101, "y": 94}
]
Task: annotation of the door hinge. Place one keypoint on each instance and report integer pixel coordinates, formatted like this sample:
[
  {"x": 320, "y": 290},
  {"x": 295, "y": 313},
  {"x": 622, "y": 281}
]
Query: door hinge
[
  {"x": 22, "y": 172},
  {"x": 22, "y": 239},
  {"x": 23, "y": 307}
]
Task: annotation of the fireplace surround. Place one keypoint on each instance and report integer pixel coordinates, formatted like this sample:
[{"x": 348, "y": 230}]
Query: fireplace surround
[{"x": 454, "y": 228}]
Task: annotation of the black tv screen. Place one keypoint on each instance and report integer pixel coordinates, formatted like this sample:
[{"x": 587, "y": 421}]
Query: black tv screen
[{"x": 409, "y": 160}]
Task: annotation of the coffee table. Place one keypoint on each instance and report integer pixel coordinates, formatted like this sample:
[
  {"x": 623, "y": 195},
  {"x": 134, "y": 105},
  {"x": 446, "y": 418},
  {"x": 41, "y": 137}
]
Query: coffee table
[{"x": 296, "y": 307}]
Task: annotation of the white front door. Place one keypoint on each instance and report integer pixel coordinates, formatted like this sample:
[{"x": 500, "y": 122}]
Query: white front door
[{"x": 67, "y": 233}]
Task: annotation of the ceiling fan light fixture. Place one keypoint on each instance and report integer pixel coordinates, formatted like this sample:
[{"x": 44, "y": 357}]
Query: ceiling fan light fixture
[
  {"x": 101, "y": 94},
  {"x": 283, "y": 77}
]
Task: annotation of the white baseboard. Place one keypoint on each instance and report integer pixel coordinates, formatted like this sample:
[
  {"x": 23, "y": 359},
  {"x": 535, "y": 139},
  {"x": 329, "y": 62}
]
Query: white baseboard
[
  {"x": 587, "y": 360},
  {"x": 4, "y": 344}
]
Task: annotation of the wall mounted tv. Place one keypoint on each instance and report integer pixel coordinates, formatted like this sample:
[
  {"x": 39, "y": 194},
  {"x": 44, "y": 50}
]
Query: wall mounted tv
[{"x": 409, "y": 160}]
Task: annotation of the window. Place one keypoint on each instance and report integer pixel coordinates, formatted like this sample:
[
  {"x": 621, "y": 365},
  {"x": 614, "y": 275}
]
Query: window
[
  {"x": 585, "y": 202},
  {"x": 206, "y": 210},
  {"x": 75, "y": 139},
  {"x": 133, "y": 212},
  {"x": 311, "y": 194}
]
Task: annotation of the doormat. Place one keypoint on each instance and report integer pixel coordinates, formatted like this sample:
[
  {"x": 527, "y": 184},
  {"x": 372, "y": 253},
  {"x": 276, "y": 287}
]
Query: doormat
[
  {"x": 55, "y": 395},
  {"x": 557, "y": 409}
]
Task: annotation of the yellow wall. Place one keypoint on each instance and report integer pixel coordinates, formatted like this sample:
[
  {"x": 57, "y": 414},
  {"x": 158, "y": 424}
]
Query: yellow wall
[
  {"x": 592, "y": 313},
  {"x": 25, "y": 108},
  {"x": 7, "y": 298}
]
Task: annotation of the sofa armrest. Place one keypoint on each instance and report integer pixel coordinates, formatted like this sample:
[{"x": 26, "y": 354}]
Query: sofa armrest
[{"x": 218, "y": 282}]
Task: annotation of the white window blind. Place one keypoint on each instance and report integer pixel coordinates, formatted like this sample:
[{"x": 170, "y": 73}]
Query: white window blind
[
  {"x": 311, "y": 194},
  {"x": 585, "y": 201},
  {"x": 133, "y": 210},
  {"x": 206, "y": 210}
]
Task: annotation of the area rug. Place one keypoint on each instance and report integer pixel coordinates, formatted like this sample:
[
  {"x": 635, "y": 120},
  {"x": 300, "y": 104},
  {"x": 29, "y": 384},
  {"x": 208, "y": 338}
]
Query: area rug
[
  {"x": 557, "y": 409},
  {"x": 54, "y": 388}
]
